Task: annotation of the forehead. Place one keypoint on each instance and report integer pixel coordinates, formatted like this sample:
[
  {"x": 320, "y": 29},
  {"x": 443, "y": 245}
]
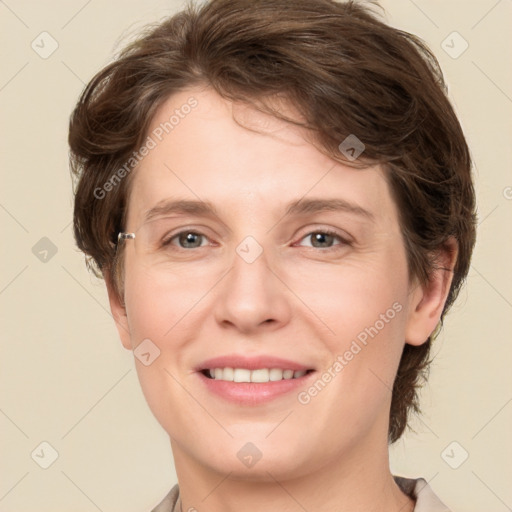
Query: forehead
[{"x": 207, "y": 148}]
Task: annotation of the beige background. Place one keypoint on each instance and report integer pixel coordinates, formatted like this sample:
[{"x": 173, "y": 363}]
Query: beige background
[{"x": 65, "y": 378}]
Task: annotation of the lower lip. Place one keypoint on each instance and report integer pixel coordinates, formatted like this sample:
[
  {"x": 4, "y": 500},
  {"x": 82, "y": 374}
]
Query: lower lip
[{"x": 254, "y": 393}]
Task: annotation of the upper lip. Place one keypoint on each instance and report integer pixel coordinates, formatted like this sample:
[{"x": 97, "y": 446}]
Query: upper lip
[{"x": 251, "y": 363}]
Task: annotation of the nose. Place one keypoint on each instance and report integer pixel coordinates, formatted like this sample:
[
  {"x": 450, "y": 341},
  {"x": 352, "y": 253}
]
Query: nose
[{"x": 253, "y": 297}]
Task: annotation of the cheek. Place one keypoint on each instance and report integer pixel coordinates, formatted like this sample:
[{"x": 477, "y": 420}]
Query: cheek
[
  {"x": 165, "y": 311},
  {"x": 361, "y": 315},
  {"x": 355, "y": 295},
  {"x": 158, "y": 305}
]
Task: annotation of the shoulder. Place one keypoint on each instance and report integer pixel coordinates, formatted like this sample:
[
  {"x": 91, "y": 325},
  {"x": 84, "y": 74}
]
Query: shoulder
[
  {"x": 420, "y": 490},
  {"x": 169, "y": 503}
]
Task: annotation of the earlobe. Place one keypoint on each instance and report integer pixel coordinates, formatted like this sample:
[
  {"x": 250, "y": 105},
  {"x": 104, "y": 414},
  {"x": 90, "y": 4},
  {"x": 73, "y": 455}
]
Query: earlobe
[
  {"x": 427, "y": 301},
  {"x": 118, "y": 310}
]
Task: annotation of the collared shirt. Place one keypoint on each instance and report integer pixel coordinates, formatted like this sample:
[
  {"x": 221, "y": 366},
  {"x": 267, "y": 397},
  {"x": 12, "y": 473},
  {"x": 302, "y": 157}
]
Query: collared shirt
[{"x": 418, "y": 489}]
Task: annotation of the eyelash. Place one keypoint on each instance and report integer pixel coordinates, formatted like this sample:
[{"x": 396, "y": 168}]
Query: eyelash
[{"x": 343, "y": 241}]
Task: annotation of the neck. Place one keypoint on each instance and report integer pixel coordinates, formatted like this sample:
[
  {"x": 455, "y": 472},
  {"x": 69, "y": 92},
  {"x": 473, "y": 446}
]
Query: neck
[{"x": 349, "y": 482}]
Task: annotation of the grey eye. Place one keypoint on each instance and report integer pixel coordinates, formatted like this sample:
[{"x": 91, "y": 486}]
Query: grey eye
[
  {"x": 189, "y": 239},
  {"x": 321, "y": 239}
]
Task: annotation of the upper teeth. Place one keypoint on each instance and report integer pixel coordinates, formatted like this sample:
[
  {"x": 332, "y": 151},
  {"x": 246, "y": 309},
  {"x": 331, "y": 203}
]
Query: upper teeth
[{"x": 259, "y": 375}]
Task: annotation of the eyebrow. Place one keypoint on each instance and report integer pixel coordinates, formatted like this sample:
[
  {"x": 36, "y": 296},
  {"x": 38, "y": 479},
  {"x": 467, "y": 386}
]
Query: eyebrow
[
  {"x": 301, "y": 207},
  {"x": 318, "y": 205}
]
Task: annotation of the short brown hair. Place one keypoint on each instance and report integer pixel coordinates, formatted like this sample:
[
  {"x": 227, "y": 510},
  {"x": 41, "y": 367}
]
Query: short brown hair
[{"x": 344, "y": 70}]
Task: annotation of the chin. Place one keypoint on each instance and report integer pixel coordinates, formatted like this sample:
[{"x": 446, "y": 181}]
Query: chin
[
  {"x": 250, "y": 463},
  {"x": 262, "y": 471}
]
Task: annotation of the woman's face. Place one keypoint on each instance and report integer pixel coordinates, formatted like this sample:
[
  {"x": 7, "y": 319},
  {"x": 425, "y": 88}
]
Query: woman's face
[{"x": 268, "y": 282}]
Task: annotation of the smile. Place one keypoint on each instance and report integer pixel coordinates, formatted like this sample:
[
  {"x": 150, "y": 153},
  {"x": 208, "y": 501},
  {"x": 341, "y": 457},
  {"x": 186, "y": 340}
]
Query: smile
[
  {"x": 259, "y": 375},
  {"x": 254, "y": 379}
]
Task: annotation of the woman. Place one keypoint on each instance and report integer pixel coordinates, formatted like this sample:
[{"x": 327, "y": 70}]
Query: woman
[{"x": 278, "y": 195}]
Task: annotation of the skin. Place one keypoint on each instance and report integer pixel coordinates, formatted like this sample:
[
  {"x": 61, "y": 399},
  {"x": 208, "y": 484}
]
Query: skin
[{"x": 296, "y": 300}]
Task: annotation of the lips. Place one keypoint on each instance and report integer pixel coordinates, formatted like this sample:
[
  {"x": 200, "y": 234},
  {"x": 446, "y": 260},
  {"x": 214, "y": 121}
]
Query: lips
[
  {"x": 252, "y": 380},
  {"x": 251, "y": 363}
]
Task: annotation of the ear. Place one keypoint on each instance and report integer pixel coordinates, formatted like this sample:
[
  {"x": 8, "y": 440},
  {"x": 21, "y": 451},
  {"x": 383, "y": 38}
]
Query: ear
[
  {"x": 118, "y": 310},
  {"x": 427, "y": 301}
]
